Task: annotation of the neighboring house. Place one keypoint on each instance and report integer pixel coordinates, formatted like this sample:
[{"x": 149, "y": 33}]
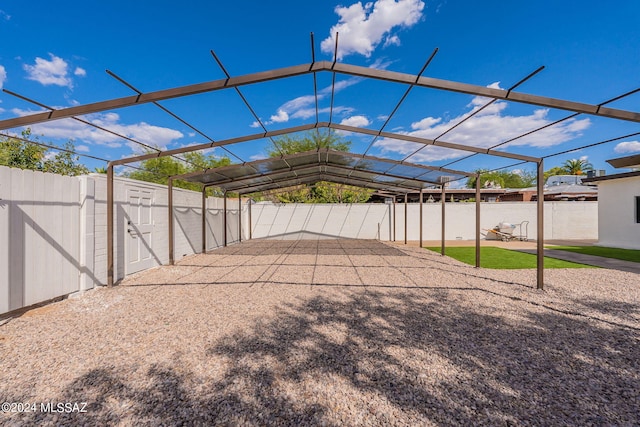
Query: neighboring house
[
  {"x": 619, "y": 205},
  {"x": 432, "y": 195},
  {"x": 557, "y": 188}
]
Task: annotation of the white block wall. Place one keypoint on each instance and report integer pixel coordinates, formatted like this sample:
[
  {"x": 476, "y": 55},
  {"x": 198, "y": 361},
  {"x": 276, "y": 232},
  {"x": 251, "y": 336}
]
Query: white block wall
[
  {"x": 187, "y": 223},
  {"x": 617, "y": 226},
  {"x": 563, "y": 220},
  {"x": 313, "y": 221},
  {"x": 40, "y": 241}
]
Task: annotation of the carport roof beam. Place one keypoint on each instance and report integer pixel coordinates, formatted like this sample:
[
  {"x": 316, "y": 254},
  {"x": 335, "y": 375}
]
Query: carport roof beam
[
  {"x": 404, "y": 96},
  {"x": 88, "y": 123},
  {"x": 548, "y": 125},
  {"x": 477, "y": 111},
  {"x": 426, "y": 141},
  {"x": 476, "y": 90},
  {"x": 322, "y": 176},
  {"x": 220, "y": 143},
  {"x": 171, "y": 113},
  {"x": 335, "y": 126},
  {"x": 297, "y": 70},
  {"x": 228, "y": 182},
  {"x": 244, "y": 99}
]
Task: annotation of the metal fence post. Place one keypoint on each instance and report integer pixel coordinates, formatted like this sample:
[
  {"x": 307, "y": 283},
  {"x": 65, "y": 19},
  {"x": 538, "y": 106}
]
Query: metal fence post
[
  {"x": 540, "y": 214},
  {"x": 110, "y": 278},
  {"x": 170, "y": 204}
]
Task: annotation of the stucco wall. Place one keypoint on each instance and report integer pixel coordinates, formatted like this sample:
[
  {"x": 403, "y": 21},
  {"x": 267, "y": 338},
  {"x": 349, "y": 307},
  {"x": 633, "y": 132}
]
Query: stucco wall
[
  {"x": 563, "y": 220},
  {"x": 40, "y": 238},
  {"x": 617, "y": 226}
]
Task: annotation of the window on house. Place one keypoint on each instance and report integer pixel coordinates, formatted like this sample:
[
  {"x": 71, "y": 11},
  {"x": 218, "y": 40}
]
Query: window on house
[{"x": 638, "y": 209}]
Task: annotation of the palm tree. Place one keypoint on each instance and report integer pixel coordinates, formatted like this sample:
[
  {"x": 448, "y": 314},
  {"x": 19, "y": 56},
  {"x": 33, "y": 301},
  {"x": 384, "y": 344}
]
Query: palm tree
[{"x": 577, "y": 166}]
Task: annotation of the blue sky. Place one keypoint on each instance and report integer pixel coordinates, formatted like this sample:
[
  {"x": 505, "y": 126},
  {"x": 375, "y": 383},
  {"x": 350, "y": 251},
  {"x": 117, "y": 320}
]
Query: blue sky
[{"x": 57, "y": 54}]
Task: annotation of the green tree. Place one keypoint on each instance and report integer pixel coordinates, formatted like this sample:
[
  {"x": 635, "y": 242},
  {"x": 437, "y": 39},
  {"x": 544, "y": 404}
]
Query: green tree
[
  {"x": 320, "y": 192},
  {"x": 290, "y": 144},
  {"x": 504, "y": 179},
  {"x": 159, "y": 169},
  {"x": 17, "y": 153},
  {"x": 556, "y": 170},
  {"x": 65, "y": 162},
  {"x": 25, "y": 153},
  {"x": 576, "y": 166}
]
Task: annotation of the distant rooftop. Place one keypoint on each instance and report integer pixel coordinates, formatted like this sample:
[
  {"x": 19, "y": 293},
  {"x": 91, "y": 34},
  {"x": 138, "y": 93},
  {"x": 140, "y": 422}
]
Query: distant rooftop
[
  {"x": 632, "y": 161},
  {"x": 614, "y": 176},
  {"x": 564, "y": 180}
]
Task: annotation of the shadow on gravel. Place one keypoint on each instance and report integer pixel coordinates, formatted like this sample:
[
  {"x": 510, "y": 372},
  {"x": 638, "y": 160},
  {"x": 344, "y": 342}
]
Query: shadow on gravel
[
  {"x": 548, "y": 369},
  {"x": 408, "y": 351}
]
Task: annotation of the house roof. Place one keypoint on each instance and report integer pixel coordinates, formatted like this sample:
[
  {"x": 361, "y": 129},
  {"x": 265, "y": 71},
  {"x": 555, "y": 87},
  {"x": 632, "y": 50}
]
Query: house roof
[
  {"x": 625, "y": 162},
  {"x": 612, "y": 177}
]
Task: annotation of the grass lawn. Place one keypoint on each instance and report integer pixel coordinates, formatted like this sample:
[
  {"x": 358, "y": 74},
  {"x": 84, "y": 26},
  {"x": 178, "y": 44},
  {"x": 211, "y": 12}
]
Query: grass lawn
[
  {"x": 622, "y": 254},
  {"x": 498, "y": 258}
]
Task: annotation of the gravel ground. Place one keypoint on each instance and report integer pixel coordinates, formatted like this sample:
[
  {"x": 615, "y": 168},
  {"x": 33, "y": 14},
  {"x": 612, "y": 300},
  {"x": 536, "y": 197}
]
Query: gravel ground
[{"x": 332, "y": 332}]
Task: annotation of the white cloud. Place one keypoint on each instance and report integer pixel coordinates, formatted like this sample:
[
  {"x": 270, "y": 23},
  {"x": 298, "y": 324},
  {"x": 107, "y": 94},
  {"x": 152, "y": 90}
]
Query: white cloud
[
  {"x": 358, "y": 121},
  {"x": 51, "y": 154},
  {"x": 490, "y": 127},
  {"x": 3, "y": 76},
  {"x": 425, "y": 123},
  {"x": 281, "y": 117},
  {"x": 154, "y": 136},
  {"x": 340, "y": 85},
  {"x": 52, "y": 72},
  {"x": 259, "y": 156},
  {"x": 82, "y": 148},
  {"x": 627, "y": 147},
  {"x": 362, "y": 28},
  {"x": 298, "y": 103},
  {"x": 303, "y": 107},
  {"x": 392, "y": 41},
  {"x": 381, "y": 64},
  {"x": 311, "y": 112},
  {"x": 81, "y": 72},
  {"x": 4, "y": 15}
]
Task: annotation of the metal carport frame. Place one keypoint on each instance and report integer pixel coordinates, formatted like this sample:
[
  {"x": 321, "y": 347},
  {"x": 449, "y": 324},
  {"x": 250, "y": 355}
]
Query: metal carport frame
[{"x": 333, "y": 68}]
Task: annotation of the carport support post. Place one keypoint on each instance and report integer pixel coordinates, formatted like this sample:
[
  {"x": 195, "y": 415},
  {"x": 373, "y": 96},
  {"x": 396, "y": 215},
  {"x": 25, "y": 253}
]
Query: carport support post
[
  {"x": 421, "y": 194},
  {"x": 239, "y": 217},
  {"x": 478, "y": 221},
  {"x": 204, "y": 219},
  {"x": 405, "y": 218},
  {"x": 249, "y": 212},
  {"x": 540, "y": 215},
  {"x": 110, "y": 224},
  {"x": 394, "y": 218},
  {"x": 224, "y": 218},
  {"x": 170, "y": 197},
  {"x": 442, "y": 201}
]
